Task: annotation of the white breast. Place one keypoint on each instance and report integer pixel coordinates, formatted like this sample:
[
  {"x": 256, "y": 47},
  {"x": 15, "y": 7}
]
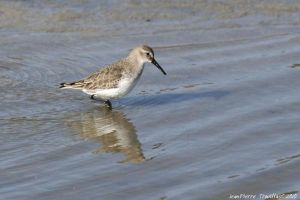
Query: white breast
[{"x": 126, "y": 84}]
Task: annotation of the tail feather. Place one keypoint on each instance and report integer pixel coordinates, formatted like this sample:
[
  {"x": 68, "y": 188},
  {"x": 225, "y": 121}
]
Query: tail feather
[
  {"x": 73, "y": 85},
  {"x": 62, "y": 85}
]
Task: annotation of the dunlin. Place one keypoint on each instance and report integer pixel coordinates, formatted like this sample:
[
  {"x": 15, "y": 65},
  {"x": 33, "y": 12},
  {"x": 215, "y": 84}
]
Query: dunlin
[{"x": 118, "y": 79}]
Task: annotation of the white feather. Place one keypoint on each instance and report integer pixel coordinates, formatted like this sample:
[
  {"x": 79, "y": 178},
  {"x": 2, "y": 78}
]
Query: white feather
[{"x": 125, "y": 85}]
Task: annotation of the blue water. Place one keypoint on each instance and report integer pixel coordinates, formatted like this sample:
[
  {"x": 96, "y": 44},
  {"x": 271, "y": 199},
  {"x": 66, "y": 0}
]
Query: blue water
[{"x": 224, "y": 121}]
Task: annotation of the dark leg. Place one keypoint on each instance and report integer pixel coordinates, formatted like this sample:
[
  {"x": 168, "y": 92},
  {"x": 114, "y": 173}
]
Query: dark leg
[
  {"x": 92, "y": 97},
  {"x": 108, "y": 103}
]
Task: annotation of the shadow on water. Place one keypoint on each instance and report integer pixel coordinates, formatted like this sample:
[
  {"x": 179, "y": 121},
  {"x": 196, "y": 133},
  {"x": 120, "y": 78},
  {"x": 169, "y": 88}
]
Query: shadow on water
[
  {"x": 112, "y": 130},
  {"x": 171, "y": 98},
  {"x": 115, "y": 133}
]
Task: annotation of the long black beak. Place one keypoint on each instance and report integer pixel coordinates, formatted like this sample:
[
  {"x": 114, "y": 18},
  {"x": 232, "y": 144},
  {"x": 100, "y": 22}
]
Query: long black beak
[{"x": 158, "y": 66}]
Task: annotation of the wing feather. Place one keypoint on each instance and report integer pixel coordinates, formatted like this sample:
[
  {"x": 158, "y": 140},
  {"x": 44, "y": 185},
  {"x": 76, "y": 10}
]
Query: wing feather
[{"x": 105, "y": 78}]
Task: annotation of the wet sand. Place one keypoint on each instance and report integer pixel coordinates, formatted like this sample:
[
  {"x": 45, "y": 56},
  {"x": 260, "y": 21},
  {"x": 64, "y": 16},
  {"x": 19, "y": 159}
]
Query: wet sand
[{"x": 224, "y": 121}]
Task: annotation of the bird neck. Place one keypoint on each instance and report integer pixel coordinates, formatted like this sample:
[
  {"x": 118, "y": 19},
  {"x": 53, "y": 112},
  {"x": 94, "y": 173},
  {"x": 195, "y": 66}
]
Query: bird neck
[{"x": 136, "y": 63}]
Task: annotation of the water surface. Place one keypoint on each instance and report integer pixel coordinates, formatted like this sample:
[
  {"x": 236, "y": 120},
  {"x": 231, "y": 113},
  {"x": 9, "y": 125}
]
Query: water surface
[{"x": 225, "y": 120}]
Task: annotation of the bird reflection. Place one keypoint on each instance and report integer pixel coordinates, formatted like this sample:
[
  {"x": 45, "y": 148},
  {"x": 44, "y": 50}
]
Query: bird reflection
[{"x": 112, "y": 130}]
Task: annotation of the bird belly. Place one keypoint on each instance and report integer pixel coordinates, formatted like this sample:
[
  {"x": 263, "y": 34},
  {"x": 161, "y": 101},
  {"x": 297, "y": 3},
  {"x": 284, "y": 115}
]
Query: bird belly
[{"x": 124, "y": 87}]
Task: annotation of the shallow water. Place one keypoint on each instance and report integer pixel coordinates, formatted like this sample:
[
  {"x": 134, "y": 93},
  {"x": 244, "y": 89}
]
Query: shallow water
[{"x": 224, "y": 121}]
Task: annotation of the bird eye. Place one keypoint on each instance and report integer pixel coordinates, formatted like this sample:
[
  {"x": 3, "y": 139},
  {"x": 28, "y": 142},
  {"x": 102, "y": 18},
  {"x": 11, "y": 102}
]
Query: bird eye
[{"x": 148, "y": 54}]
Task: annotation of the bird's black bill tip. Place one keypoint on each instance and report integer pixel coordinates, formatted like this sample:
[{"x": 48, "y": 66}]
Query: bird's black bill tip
[{"x": 158, "y": 66}]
